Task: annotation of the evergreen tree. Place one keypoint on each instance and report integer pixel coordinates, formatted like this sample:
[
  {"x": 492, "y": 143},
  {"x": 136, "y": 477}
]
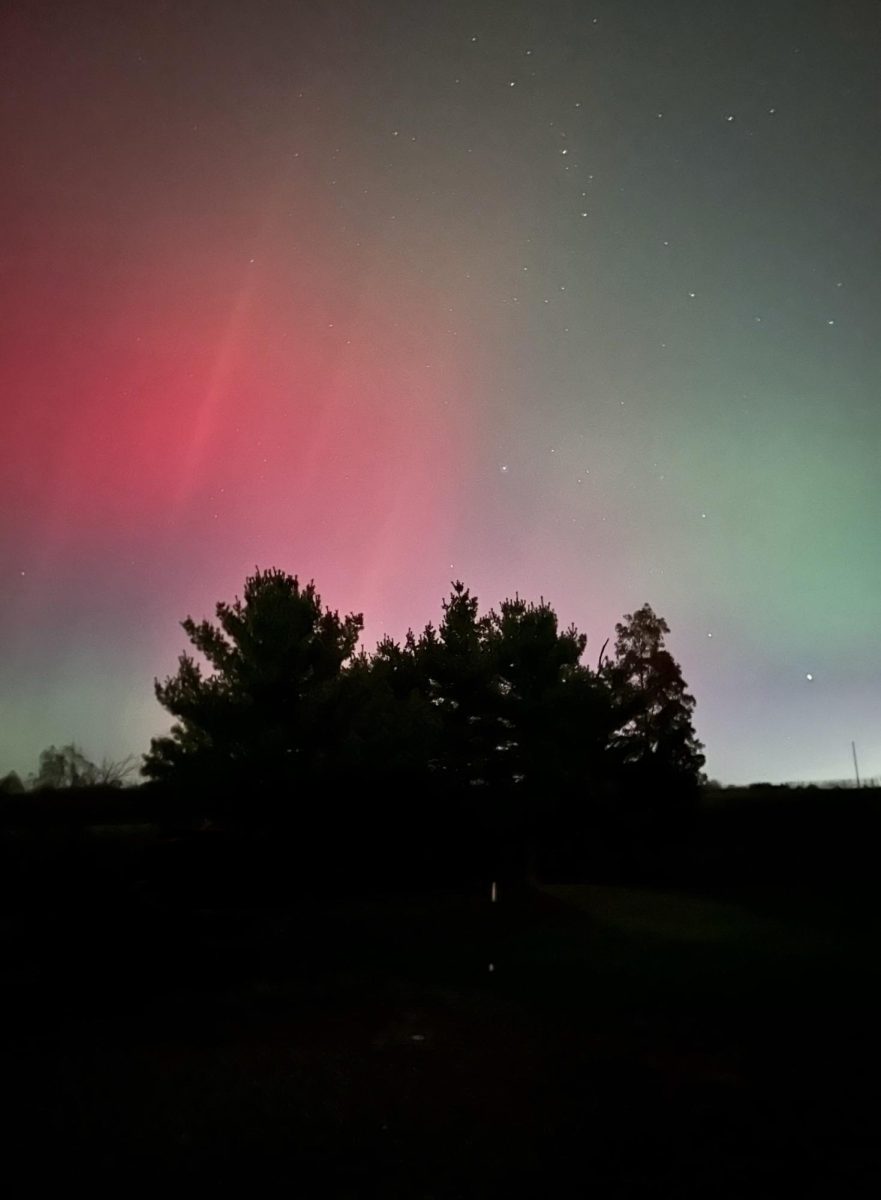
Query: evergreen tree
[
  {"x": 258, "y": 718},
  {"x": 522, "y": 722},
  {"x": 534, "y": 664},
  {"x": 454, "y": 667}
]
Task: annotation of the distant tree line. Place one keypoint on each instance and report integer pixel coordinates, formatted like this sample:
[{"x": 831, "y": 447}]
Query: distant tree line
[
  {"x": 485, "y": 737},
  {"x": 68, "y": 768}
]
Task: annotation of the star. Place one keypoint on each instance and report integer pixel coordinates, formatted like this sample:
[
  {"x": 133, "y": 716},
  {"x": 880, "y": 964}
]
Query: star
[{"x": 809, "y": 677}]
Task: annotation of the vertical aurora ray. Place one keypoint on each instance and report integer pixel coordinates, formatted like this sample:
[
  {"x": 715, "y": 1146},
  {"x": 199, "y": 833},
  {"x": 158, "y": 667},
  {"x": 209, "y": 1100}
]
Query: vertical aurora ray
[{"x": 197, "y": 441}]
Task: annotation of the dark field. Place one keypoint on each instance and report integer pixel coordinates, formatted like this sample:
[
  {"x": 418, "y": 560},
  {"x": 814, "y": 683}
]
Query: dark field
[{"x": 632, "y": 1040}]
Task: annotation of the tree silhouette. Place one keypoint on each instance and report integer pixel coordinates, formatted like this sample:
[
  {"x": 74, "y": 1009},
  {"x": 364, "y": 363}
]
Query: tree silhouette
[
  {"x": 454, "y": 665},
  {"x": 656, "y": 742},
  {"x": 521, "y": 722},
  {"x": 533, "y": 664},
  {"x": 258, "y": 719},
  {"x": 69, "y": 768},
  {"x": 387, "y": 728},
  {"x": 476, "y": 741}
]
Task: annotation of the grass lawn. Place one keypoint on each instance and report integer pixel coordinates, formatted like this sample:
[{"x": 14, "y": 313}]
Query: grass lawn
[{"x": 627, "y": 1042}]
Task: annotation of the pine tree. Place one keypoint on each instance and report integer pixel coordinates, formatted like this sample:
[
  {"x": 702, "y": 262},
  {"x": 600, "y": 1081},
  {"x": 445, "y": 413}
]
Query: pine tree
[
  {"x": 454, "y": 663},
  {"x": 522, "y": 722},
  {"x": 257, "y": 718}
]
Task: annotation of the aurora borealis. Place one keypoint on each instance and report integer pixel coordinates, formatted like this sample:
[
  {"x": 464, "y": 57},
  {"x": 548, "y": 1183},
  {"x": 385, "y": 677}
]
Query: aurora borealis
[{"x": 577, "y": 300}]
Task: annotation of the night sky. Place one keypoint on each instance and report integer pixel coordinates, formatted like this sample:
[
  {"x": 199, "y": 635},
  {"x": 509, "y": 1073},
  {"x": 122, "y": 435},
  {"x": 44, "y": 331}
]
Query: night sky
[{"x": 574, "y": 299}]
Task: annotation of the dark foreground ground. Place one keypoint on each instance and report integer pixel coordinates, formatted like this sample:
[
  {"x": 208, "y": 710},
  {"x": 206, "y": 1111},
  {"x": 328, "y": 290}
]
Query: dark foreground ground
[{"x": 630, "y": 1041}]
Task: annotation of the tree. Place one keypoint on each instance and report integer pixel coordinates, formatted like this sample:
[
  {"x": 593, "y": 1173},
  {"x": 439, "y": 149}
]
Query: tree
[
  {"x": 454, "y": 665},
  {"x": 257, "y": 718},
  {"x": 69, "y": 768},
  {"x": 656, "y": 742},
  {"x": 533, "y": 663},
  {"x": 522, "y": 720},
  {"x": 64, "y": 768},
  {"x": 386, "y": 726},
  {"x": 11, "y": 784},
  {"x": 113, "y": 772}
]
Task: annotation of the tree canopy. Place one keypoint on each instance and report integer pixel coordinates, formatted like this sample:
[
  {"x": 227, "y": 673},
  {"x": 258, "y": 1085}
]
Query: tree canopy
[
  {"x": 656, "y": 742},
  {"x": 258, "y": 717},
  {"x": 489, "y": 725},
  {"x": 68, "y": 767}
]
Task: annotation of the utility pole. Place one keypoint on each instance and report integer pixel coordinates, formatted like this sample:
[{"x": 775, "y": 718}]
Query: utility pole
[{"x": 856, "y": 768}]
